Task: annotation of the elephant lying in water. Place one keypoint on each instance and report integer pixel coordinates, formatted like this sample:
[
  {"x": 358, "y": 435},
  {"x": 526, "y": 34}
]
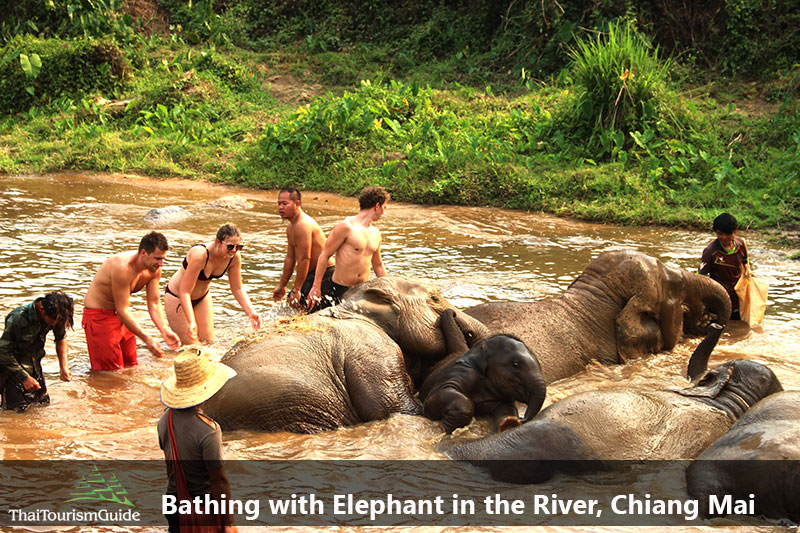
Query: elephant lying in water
[
  {"x": 624, "y": 305},
  {"x": 341, "y": 366},
  {"x": 486, "y": 380},
  {"x": 625, "y": 423},
  {"x": 759, "y": 455}
]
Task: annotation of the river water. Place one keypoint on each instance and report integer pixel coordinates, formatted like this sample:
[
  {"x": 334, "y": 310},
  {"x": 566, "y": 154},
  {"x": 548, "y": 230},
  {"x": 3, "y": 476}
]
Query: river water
[{"x": 56, "y": 230}]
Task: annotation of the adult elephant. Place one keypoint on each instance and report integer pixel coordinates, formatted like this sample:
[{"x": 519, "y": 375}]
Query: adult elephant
[
  {"x": 483, "y": 380},
  {"x": 341, "y": 366},
  {"x": 759, "y": 456},
  {"x": 624, "y": 305},
  {"x": 625, "y": 423}
]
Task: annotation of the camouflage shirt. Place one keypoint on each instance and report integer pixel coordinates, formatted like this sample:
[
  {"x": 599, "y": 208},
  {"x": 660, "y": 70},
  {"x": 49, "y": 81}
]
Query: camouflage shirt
[{"x": 22, "y": 343}]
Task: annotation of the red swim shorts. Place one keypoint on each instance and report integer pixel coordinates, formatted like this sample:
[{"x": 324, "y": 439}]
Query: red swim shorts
[{"x": 111, "y": 345}]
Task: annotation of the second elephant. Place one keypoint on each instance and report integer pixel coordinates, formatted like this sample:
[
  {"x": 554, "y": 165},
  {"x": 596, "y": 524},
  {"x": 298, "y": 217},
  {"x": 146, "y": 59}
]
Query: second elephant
[{"x": 624, "y": 305}]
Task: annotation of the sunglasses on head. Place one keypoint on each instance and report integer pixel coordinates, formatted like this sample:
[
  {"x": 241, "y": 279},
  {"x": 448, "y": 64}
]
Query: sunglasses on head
[{"x": 232, "y": 247}]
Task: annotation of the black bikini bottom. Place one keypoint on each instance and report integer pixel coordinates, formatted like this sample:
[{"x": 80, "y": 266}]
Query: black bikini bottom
[{"x": 194, "y": 302}]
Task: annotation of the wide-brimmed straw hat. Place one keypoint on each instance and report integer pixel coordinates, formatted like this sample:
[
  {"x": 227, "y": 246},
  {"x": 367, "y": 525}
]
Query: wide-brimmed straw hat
[{"x": 194, "y": 380}]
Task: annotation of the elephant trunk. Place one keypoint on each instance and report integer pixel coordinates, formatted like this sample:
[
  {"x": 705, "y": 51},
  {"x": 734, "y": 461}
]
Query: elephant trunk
[
  {"x": 537, "y": 393},
  {"x": 699, "y": 360},
  {"x": 473, "y": 329},
  {"x": 704, "y": 293}
]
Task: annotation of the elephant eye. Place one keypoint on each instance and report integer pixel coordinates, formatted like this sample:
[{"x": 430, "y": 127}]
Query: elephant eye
[{"x": 515, "y": 364}]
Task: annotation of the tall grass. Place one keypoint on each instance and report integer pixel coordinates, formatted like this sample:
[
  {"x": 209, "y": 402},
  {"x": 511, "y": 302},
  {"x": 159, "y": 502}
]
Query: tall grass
[{"x": 620, "y": 82}]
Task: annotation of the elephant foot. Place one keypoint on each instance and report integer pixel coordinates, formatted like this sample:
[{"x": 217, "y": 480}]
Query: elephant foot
[{"x": 509, "y": 422}]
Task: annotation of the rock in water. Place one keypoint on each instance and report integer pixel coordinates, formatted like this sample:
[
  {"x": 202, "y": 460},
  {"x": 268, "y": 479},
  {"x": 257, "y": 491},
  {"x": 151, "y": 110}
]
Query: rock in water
[{"x": 166, "y": 215}]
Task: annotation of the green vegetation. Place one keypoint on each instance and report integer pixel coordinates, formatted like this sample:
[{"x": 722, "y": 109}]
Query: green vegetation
[{"x": 603, "y": 114}]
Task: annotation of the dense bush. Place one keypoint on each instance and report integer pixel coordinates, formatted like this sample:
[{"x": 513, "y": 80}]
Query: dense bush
[
  {"x": 68, "y": 68},
  {"x": 736, "y": 36},
  {"x": 65, "y": 19},
  {"x": 620, "y": 87}
]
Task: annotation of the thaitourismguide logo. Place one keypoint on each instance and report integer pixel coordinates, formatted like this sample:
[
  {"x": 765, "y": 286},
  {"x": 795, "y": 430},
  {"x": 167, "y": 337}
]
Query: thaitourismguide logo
[{"x": 95, "y": 487}]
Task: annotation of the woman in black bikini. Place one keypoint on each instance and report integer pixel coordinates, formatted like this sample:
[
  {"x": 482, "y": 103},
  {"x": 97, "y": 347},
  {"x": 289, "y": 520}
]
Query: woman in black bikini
[{"x": 190, "y": 311}]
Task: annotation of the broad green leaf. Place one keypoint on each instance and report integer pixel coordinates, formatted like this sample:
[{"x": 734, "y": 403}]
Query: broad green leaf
[
  {"x": 26, "y": 65},
  {"x": 637, "y": 138},
  {"x": 394, "y": 125}
]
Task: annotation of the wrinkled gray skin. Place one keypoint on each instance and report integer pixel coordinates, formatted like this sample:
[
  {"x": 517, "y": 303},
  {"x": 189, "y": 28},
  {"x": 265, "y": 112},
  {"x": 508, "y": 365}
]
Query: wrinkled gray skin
[
  {"x": 624, "y": 305},
  {"x": 341, "y": 366},
  {"x": 624, "y": 424},
  {"x": 768, "y": 438},
  {"x": 486, "y": 380}
]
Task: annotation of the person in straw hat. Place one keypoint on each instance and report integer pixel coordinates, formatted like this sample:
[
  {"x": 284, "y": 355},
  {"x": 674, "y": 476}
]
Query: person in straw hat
[{"x": 191, "y": 441}]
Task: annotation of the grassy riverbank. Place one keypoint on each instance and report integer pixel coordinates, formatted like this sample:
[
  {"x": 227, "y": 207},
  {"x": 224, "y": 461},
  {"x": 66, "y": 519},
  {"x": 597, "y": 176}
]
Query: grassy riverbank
[{"x": 612, "y": 131}]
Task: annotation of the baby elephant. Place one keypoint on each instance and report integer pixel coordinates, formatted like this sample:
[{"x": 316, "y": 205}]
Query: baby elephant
[
  {"x": 484, "y": 381},
  {"x": 759, "y": 455}
]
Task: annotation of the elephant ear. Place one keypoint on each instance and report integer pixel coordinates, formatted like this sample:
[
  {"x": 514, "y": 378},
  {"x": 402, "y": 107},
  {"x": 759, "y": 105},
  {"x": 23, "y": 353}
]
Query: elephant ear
[
  {"x": 710, "y": 384},
  {"x": 376, "y": 302},
  {"x": 478, "y": 358},
  {"x": 379, "y": 294},
  {"x": 637, "y": 330}
]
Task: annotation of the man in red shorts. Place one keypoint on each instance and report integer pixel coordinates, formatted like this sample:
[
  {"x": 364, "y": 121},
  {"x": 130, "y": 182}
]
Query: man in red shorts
[{"x": 107, "y": 320}]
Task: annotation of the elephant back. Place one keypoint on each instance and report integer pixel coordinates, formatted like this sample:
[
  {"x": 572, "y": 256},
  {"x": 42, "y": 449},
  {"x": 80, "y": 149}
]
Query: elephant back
[
  {"x": 767, "y": 437},
  {"x": 333, "y": 373},
  {"x": 770, "y": 430},
  {"x": 632, "y": 424}
]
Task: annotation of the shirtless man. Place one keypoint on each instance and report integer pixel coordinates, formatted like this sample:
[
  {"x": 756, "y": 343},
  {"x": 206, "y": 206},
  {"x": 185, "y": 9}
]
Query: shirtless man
[
  {"x": 306, "y": 240},
  {"x": 107, "y": 320},
  {"x": 356, "y": 243}
]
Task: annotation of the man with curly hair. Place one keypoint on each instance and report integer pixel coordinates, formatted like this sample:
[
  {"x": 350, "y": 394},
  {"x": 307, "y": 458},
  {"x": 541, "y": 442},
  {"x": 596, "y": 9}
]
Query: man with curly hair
[{"x": 356, "y": 243}]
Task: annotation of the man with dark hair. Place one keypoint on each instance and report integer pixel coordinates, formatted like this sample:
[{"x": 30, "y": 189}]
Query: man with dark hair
[
  {"x": 107, "y": 320},
  {"x": 724, "y": 258},
  {"x": 356, "y": 244},
  {"x": 306, "y": 240},
  {"x": 153, "y": 240},
  {"x": 22, "y": 349}
]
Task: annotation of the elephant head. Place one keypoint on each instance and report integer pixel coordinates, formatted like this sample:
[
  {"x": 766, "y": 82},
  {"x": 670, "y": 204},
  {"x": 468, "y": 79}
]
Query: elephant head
[
  {"x": 487, "y": 379},
  {"x": 734, "y": 386},
  {"x": 655, "y": 301},
  {"x": 409, "y": 312}
]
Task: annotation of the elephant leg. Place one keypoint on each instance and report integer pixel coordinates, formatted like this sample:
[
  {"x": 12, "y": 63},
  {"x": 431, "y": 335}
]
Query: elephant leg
[
  {"x": 504, "y": 415},
  {"x": 451, "y": 406},
  {"x": 378, "y": 386}
]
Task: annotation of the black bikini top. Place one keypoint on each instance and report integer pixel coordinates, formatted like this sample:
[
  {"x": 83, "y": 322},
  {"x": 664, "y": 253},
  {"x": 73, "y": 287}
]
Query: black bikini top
[{"x": 202, "y": 275}]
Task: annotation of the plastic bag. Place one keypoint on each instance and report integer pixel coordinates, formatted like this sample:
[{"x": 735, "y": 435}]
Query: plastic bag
[{"x": 752, "y": 293}]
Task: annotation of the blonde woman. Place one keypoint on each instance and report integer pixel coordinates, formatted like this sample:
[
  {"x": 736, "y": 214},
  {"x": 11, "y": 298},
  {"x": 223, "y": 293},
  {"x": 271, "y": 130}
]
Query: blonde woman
[{"x": 190, "y": 311}]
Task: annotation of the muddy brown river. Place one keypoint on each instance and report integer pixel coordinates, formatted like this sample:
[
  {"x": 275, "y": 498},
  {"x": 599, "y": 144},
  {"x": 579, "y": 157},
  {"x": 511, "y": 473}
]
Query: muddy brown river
[{"x": 56, "y": 230}]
